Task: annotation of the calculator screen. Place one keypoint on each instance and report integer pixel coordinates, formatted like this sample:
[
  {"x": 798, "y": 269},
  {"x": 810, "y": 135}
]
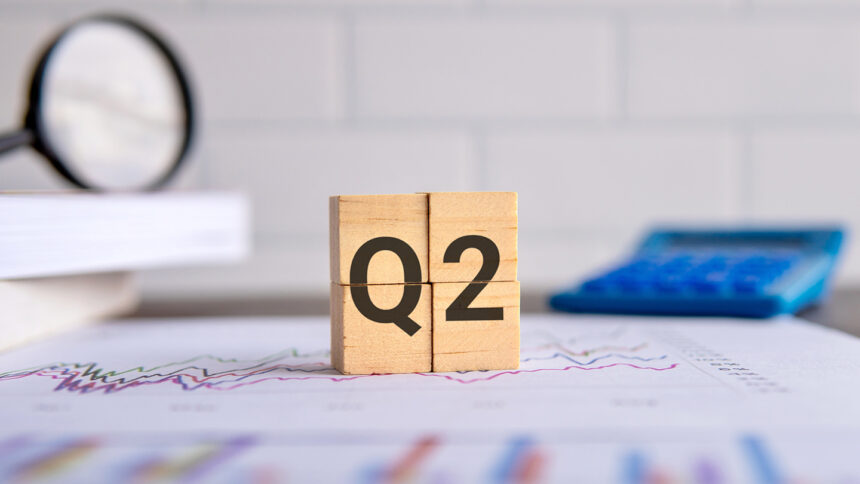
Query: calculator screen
[{"x": 692, "y": 241}]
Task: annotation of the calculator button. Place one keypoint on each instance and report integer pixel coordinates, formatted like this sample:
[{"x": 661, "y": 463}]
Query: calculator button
[
  {"x": 706, "y": 287},
  {"x": 670, "y": 284},
  {"x": 634, "y": 284},
  {"x": 676, "y": 266},
  {"x": 597, "y": 285},
  {"x": 750, "y": 284},
  {"x": 717, "y": 262},
  {"x": 709, "y": 283},
  {"x": 770, "y": 274}
]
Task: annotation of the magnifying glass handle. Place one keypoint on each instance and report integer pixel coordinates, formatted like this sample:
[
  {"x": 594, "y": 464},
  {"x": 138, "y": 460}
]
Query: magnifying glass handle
[{"x": 15, "y": 139}]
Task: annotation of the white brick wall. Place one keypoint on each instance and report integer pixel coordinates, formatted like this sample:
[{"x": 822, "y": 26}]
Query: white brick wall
[
  {"x": 614, "y": 179},
  {"x": 809, "y": 175},
  {"x": 743, "y": 67},
  {"x": 483, "y": 67},
  {"x": 606, "y": 116},
  {"x": 256, "y": 66}
]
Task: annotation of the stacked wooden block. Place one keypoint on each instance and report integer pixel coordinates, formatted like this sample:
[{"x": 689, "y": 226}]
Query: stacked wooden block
[{"x": 424, "y": 282}]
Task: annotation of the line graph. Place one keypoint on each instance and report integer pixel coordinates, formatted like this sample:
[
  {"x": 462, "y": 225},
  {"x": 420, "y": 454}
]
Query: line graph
[
  {"x": 542, "y": 353},
  {"x": 541, "y": 370},
  {"x": 594, "y": 400}
]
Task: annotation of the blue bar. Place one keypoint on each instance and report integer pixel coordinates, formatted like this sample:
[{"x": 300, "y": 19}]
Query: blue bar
[
  {"x": 504, "y": 471},
  {"x": 764, "y": 468},
  {"x": 633, "y": 468}
]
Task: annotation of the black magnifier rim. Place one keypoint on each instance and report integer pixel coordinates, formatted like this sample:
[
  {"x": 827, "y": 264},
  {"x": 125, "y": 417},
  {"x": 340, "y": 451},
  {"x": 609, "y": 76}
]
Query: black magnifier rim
[{"x": 35, "y": 123}]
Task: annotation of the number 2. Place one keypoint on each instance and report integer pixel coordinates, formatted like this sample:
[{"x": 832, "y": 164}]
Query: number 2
[{"x": 459, "y": 309}]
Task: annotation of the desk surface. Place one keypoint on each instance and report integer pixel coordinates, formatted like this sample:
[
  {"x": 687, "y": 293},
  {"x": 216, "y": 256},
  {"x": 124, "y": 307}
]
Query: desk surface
[{"x": 842, "y": 311}]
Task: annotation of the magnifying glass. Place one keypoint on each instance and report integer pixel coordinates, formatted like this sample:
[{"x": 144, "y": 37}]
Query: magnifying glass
[{"x": 110, "y": 107}]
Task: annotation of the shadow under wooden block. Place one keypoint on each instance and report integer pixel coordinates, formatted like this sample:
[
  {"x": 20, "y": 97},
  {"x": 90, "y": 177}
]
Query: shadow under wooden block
[
  {"x": 370, "y": 223},
  {"x": 463, "y": 344},
  {"x": 460, "y": 223},
  {"x": 360, "y": 345}
]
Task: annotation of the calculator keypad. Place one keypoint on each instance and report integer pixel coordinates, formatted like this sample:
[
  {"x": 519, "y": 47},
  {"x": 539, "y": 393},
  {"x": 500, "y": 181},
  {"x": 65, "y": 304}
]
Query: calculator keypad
[{"x": 708, "y": 273}]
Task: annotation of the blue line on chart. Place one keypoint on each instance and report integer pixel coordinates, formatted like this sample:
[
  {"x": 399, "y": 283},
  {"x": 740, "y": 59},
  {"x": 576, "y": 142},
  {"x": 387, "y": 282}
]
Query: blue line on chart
[{"x": 764, "y": 467}]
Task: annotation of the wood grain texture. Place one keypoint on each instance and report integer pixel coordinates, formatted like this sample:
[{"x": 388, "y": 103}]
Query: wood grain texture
[
  {"x": 361, "y": 346},
  {"x": 356, "y": 219},
  {"x": 477, "y": 345},
  {"x": 489, "y": 214}
]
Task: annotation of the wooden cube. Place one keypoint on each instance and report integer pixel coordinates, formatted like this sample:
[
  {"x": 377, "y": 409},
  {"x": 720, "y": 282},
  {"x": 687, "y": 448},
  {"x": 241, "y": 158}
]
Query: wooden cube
[
  {"x": 388, "y": 232},
  {"x": 473, "y": 235},
  {"x": 479, "y": 334},
  {"x": 362, "y": 345}
]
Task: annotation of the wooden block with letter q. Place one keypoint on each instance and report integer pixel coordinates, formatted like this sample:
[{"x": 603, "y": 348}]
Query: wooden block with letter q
[
  {"x": 384, "y": 328},
  {"x": 384, "y": 233},
  {"x": 476, "y": 326},
  {"x": 486, "y": 221},
  {"x": 385, "y": 318}
]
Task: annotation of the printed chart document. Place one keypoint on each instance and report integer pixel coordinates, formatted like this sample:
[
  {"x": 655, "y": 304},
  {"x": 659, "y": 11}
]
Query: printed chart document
[{"x": 596, "y": 399}]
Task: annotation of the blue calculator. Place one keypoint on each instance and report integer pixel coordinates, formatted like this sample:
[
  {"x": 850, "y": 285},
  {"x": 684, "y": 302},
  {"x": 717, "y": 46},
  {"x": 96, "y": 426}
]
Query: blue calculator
[{"x": 753, "y": 273}]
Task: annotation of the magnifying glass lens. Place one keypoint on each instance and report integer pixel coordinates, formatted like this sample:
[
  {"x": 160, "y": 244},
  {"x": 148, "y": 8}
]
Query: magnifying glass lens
[{"x": 112, "y": 107}]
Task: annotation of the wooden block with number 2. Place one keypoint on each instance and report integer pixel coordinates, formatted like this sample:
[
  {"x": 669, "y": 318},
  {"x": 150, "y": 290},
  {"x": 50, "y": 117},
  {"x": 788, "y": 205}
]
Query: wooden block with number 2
[
  {"x": 485, "y": 335},
  {"x": 473, "y": 270},
  {"x": 485, "y": 221}
]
